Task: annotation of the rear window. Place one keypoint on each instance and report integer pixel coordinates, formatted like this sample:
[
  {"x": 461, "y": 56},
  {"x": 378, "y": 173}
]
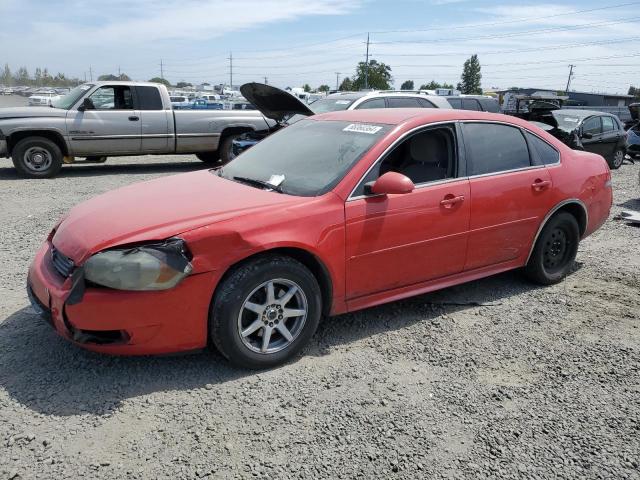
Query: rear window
[
  {"x": 545, "y": 153},
  {"x": 493, "y": 147},
  {"x": 149, "y": 98}
]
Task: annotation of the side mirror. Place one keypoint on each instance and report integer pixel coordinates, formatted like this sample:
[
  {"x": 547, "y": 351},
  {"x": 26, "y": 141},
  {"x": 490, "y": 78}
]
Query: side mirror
[
  {"x": 587, "y": 135},
  {"x": 390, "y": 183},
  {"x": 87, "y": 104}
]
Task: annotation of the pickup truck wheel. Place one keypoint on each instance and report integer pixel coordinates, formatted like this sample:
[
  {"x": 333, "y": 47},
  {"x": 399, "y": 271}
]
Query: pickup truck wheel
[
  {"x": 37, "y": 157},
  {"x": 208, "y": 157},
  {"x": 226, "y": 152}
]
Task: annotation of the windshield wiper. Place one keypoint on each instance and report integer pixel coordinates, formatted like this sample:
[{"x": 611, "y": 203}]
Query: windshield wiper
[{"x": 259, "y": 183}]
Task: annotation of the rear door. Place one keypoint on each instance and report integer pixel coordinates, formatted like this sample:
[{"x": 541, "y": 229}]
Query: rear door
[
  {"x": 111, "y": 127},
  {"x": 510, "y": 193},
  {"x": 610, "y": 135},
  {"x": 156, "y": 123}
]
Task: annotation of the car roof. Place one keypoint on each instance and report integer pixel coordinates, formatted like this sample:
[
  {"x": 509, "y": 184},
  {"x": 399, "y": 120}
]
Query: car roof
[
  {"x": 124, "y": 82},
  {"x": 581, "y": 113},
  {"x": 397, "y": 116}
]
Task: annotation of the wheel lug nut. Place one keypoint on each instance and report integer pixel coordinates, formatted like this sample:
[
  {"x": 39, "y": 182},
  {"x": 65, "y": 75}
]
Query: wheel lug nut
[{"x": 279, "y": 317}]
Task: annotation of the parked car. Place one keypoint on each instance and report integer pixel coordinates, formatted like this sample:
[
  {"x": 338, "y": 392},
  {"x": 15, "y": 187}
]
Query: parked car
[
  {"x": 589, "y": 130},
  {"x": 480, "y": 103},
  {"x": 180, "y": 102},
  {"x": 633, "y": 142},
  {"x": 202, "y": 104},
  {"x": 333, "y": 214},
  {"x": 284, "y": 108},
  {"x": 43, "y": 98},
  {"x": 8, "y": 91},
  {"x": 102, "y": 119}
]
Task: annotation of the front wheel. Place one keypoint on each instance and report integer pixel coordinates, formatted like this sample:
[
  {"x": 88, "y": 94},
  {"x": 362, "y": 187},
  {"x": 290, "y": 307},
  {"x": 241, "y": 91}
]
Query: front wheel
[
  {"x": 555, "y": 250},
  {"x": 226, "y": 148},
  {"x": 208, "y": 157},
  {"x": 265, "y": 311},
  {"x": 37, "y": 157},
  {"x": 616, "y": 159}
]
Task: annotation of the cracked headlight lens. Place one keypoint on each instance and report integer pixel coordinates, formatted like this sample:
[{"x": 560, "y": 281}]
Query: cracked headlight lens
[{"x": 157, "y": 266}]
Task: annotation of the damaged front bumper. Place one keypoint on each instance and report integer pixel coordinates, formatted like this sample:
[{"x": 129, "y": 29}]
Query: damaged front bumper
[{"x": 122, "y": 322}]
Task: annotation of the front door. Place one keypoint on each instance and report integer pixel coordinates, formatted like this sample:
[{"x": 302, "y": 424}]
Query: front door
[
  {"x": 592, "y": 126},
  {"x": 394, "y": 241},
  {"x": 111, "y": 126},
  {"x": 510, "y": 194}
]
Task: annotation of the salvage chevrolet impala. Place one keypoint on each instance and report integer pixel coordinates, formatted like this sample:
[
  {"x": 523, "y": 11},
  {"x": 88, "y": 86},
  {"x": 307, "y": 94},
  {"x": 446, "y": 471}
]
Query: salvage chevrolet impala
[{"x": 336, "y": 213}]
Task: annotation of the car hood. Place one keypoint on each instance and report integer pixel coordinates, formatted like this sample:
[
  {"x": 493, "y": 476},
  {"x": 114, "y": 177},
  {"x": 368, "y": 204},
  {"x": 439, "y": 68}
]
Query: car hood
[
  {"x": 273, "y": 102},
  {"x": 28, "y": 112},
  {"x": 156, "y": 210}
]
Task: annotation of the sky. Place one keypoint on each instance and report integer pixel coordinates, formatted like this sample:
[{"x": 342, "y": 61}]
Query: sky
[{"x": 292, "y": 42}]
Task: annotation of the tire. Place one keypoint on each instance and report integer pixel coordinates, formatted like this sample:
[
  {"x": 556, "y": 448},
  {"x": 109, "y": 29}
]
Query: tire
[
  {"x": 617, "y": 159},
  {"x": 226, "y": 153},
  {"x": 208, "y": 157},
  {"x": 555, "y": 250},
  {"x": 229, "y": 315},
  {"x": 37, "y": 157}
]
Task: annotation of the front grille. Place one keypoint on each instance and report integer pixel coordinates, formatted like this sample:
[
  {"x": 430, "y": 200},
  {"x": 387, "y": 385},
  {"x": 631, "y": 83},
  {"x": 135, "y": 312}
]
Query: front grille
[{"x": 63, "y": 264}]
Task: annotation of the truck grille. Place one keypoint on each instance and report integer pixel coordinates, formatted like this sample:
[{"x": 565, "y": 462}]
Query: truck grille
[{"x": 63, "y": 264}]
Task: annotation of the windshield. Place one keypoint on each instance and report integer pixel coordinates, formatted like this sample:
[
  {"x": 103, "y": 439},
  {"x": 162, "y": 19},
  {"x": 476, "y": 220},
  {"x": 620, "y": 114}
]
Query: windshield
[
  {"x": 330, "y": 105},
  {"x": 566, "y": 122},
  {"x": 67, "y": 101},
  {"x": 308, "y": 158}
]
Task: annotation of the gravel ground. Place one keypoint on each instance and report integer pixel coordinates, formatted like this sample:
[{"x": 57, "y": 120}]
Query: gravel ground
[{"x": 492, "y": 379}]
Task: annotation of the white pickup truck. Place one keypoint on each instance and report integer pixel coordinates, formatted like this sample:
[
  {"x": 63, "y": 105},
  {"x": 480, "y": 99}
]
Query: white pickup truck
[{"x": 101, "y": 119}]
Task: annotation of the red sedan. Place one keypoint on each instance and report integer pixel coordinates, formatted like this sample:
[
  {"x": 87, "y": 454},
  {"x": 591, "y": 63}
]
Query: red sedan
[{"x": 333, "y": 214}]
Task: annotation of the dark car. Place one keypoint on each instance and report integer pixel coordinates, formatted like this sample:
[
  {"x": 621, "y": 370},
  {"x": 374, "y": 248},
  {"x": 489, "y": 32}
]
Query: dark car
[
  {"x": 589, "y": 130},
  {"x": 479, "y": 103}
]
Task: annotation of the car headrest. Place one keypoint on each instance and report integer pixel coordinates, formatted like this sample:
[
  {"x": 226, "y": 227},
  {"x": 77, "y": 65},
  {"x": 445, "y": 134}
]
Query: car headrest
[{"x": 427, "y": 148}]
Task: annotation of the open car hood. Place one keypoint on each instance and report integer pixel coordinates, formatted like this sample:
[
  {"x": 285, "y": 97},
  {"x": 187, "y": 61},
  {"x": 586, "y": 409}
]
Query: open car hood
[
  {"x": 634, "y": 109},
  {"x": 273, "y": 102}
]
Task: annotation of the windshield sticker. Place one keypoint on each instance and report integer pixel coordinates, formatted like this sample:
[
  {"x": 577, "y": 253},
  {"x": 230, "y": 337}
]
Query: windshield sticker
[
  {"x": 362, "y": 128},
  {"x": 570, "y": 119},
  {"x": 343, "y": 102},
  {"x": 276, "y": 180}
]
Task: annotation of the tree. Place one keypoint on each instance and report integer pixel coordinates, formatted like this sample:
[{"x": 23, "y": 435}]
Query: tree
[
  {"x": 6, "y": 75},
  {"x": 306, "y": 87},
  {"x": 379, "y": 76},
  {"x": 471, "y": 77},
  {"x": 407, "y": 85},
  {"x": 163, "y": 81},
  {"x": 432, "y": 85},
  {"x": 635, "y": 91},
  {"x": 22, "y": 76},
  {"x": 183, "y": 84},
  {"x": 346, "y": 85},
  {"x": 324, "y": 88}
]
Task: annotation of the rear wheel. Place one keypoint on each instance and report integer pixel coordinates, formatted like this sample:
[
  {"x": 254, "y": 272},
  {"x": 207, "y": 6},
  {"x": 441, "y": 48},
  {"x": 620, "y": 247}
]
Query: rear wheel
[
  {"x": 226, "y": 148},
  {"x": 616, "y": 159},
  {"x": 37, "y": 157},
  {"x": 208, "y": 157},
  {"x": 265, "y": 312},
  {"x": 555, "y": 250}
]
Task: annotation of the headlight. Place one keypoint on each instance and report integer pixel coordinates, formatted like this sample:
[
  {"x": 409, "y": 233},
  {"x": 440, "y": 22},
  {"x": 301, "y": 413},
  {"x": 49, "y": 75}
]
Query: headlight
[{"x": 157, "y": 266}]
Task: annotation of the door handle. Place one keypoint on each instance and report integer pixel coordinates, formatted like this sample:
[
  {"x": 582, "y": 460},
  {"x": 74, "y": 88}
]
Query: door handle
[
  {"x": 540, "y": 185},
  {"x": 134, "y": 118},
  {"x": 450, "y": 200}
]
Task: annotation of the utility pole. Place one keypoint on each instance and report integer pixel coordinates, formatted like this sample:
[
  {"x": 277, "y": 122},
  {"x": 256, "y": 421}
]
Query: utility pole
[
  {"x": 566, "y": 91},
  {"x": 90, "y": 73},
  {"x": 266, "y": 81},
  {"x": 366, "y": 67},
  {"x": 337, "y": 80},
  {"x": 231, "y": 70},
  {"x": 85, "y": 77},
  {"x": 161, "y": 69},
  {"x": 119, "y": 74}
]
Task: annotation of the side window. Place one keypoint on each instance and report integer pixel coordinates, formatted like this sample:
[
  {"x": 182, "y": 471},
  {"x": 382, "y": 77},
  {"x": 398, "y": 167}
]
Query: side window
[
  {"x": 149, "y": 98},
  {"x": 607, "y": 124},
  {"x": 373, "y": 103},
  {"x": 424, "y": 103},
  {"x": 455, "y": 103},
  {"x": 545, "y": 153},
  {"x": 112, "y": 98},
  {"x": 493, "y": 147},
  {"x": 592, "y": 125},
  {"x": 490, "y": 105},
  {"x": 395, "y": 102},
  {"x": 470, "y": 104},
  {"x": 427, "y": 156}
]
